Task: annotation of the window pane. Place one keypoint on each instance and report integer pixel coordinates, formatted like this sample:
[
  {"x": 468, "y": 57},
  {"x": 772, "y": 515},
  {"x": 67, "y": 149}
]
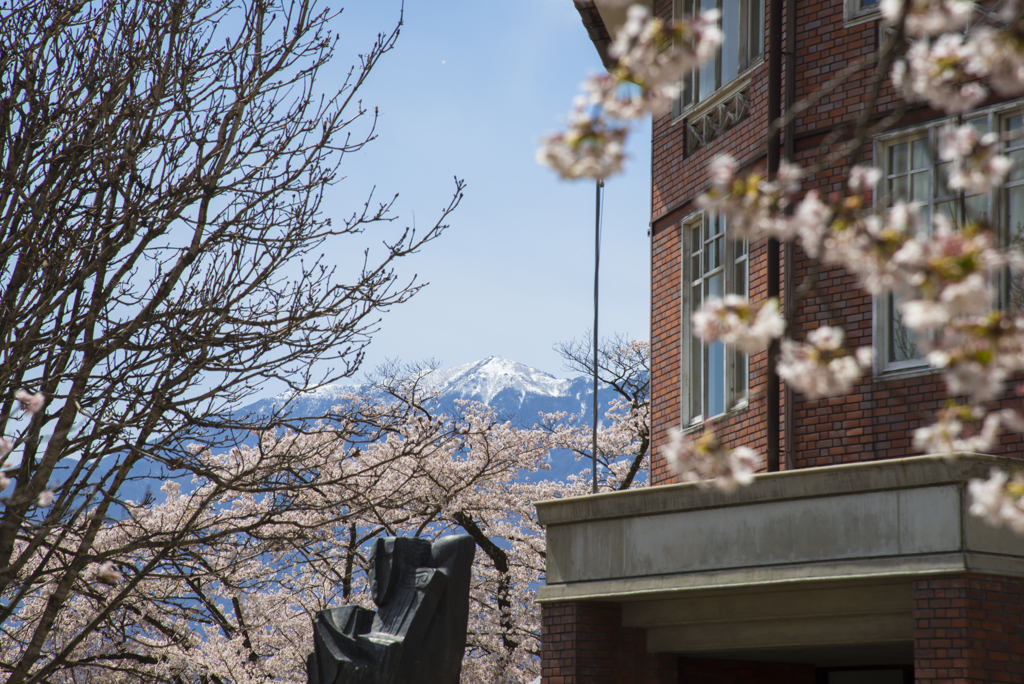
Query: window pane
[
  {"x": 1017, "y": 172},
  {"x": 739, "y": 281},
  {"x": 942, "y": 179},
  {"x": 696, "y": 378},
  {"x": 920, "y": 187},
  {"x": 948, "y": 209},
  {"x": 1015, "y": 215},
  {"x": 731, "y": 41},
  {"x": 976, "y": 207},
  {"x": 921, "y": 158},
  {"x": 1015, "y": 236},
  {"x": 708, "y": 83},
  {"x": 714, "y": 286},
  {"x": 755, "y": 32},
  {"x": 739, "y": 381},
  {"x": 898, "y": 188},
  {"x": 898, "y": 158},
  {"x": 979, "y": 124},
  {"x": 716, "y": 378},
  {"x": 902, "y": 341}
]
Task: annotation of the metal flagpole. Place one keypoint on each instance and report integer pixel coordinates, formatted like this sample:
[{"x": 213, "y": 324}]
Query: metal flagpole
[{"x": 597, "y": 263}]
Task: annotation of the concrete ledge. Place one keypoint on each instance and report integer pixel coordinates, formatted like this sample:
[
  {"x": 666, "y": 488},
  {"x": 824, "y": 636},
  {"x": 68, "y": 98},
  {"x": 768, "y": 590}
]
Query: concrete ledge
[
  {"x": 918, "y": 471},
  {"x": 899, "y": 518},
  {"x": 670, "y": 585}
]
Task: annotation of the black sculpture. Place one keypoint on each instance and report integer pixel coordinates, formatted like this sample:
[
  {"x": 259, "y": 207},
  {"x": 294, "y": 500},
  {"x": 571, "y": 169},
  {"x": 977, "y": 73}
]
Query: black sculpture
[{"x": 417, "y": 635}]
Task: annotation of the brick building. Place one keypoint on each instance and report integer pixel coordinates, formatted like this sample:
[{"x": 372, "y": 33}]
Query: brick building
[{"x": 857, "y": 562}]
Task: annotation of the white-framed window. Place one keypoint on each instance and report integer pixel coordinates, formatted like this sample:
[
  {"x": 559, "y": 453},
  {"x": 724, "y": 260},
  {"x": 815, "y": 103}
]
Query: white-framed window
[
  {"x": 742, "y": 23},
  {"x": 913, "y": 172},
  {"x": 715, "y": 377},
  {"x": 857, "y": 11}
]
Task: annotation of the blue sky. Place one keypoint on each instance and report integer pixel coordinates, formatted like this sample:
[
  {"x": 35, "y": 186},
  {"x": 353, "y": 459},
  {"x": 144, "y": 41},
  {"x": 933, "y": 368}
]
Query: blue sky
[{"x": 468, "y": 91}]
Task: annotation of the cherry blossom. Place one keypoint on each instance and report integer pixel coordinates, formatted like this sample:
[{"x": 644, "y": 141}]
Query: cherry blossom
[
  {"x": 1000, "y": 55},
  {"x": 652, "y": 53},
  {"x": 821, "y": 368},
  {"x": 998, "y": 500},
  {"x": 977, "y": 166},
  {"x": 977, "y": 353},
  {"x": 45, "y": 499},
  {"x": 754, "y": 206},
  {"x": 953, "y": 434},
  {"x": 737, "y": 323},
  {"x": 30, "y": 403},
  {"x": 620, "y": 101},
  {"x": 705, "y": 460},
  {"x": 943, "y": 72},
  {"x": 591, "y": 148},
  {"x": 863, "y": 178},
  {"x": 928, "y": 17},
  {"x": 652, "y": 57},
  {"x": 108, "y": 574}
]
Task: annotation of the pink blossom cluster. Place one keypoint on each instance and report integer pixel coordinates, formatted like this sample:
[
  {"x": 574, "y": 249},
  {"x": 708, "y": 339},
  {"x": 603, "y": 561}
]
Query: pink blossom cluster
[
  {"x": 755, "y": 207},
  {"x": 999, "y": 500},
  {"x": 738, "y": 323},
  {"x": 977, "y": 165},
  {"x": 956, "y": 47},
  {"x": 821, "y": 367},
  {"x": 928, "y": 17},
  {"x": 977, "y": 353},
  {"x": 656, "y": 55},
  {"x": 652, "y": 57},
  {"x": 590, "y": 148},
  {"x": 961, "y": 429},
  {"x": 706, "y": 460},
  {"x": 30, "y": 403}
]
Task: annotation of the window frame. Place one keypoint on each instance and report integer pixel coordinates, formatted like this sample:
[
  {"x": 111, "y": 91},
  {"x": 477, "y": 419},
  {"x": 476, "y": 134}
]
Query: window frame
[
  {"x": 860, "y": 12},
  {"x": 736, "y": 365},
  {"x": 995, "y": 205},
  {"x": 744, "y": 60}
]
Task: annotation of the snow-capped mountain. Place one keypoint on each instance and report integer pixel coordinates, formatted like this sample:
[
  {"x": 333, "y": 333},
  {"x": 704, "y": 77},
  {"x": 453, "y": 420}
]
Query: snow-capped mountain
[
  {"x": 484, "y": 380},
  {"x": 517, "y": 391}
]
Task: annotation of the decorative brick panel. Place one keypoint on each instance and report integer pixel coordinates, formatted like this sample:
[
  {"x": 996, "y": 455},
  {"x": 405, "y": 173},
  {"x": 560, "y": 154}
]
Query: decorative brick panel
[
  {"x": 967, "y": 630},
  {"x": 585, "y": 643}
]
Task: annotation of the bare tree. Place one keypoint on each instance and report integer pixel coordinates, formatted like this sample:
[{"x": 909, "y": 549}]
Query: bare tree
[
  {"x": 624, "y": 365},
  {"x": 164, "y": 254}
]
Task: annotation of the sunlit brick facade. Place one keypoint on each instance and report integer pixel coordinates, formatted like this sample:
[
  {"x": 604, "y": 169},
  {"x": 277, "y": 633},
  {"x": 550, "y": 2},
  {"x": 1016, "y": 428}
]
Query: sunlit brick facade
[{"x": 941, "y": 603}]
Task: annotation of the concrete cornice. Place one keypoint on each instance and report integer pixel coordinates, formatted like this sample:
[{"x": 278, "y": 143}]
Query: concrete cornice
[
  {"x": 918, "y": 471},
  {"x": 596, "y": 29}
]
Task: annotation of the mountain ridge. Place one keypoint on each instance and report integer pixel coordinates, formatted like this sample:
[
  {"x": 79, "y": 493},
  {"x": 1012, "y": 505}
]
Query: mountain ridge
[{"x": 515, "y": 390}]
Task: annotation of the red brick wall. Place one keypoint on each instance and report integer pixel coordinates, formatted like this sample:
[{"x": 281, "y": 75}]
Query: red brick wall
[
  {"x": 585, "y": 643},
  {"x": 706, "y": 671},
  {"x": 967, "y": 630}
]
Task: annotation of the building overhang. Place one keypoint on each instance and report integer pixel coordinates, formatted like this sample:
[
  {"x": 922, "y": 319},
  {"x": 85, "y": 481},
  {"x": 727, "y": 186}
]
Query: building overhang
[
  {"x": 814, "y": 564},
  {"x": 602, "y": 19}
]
